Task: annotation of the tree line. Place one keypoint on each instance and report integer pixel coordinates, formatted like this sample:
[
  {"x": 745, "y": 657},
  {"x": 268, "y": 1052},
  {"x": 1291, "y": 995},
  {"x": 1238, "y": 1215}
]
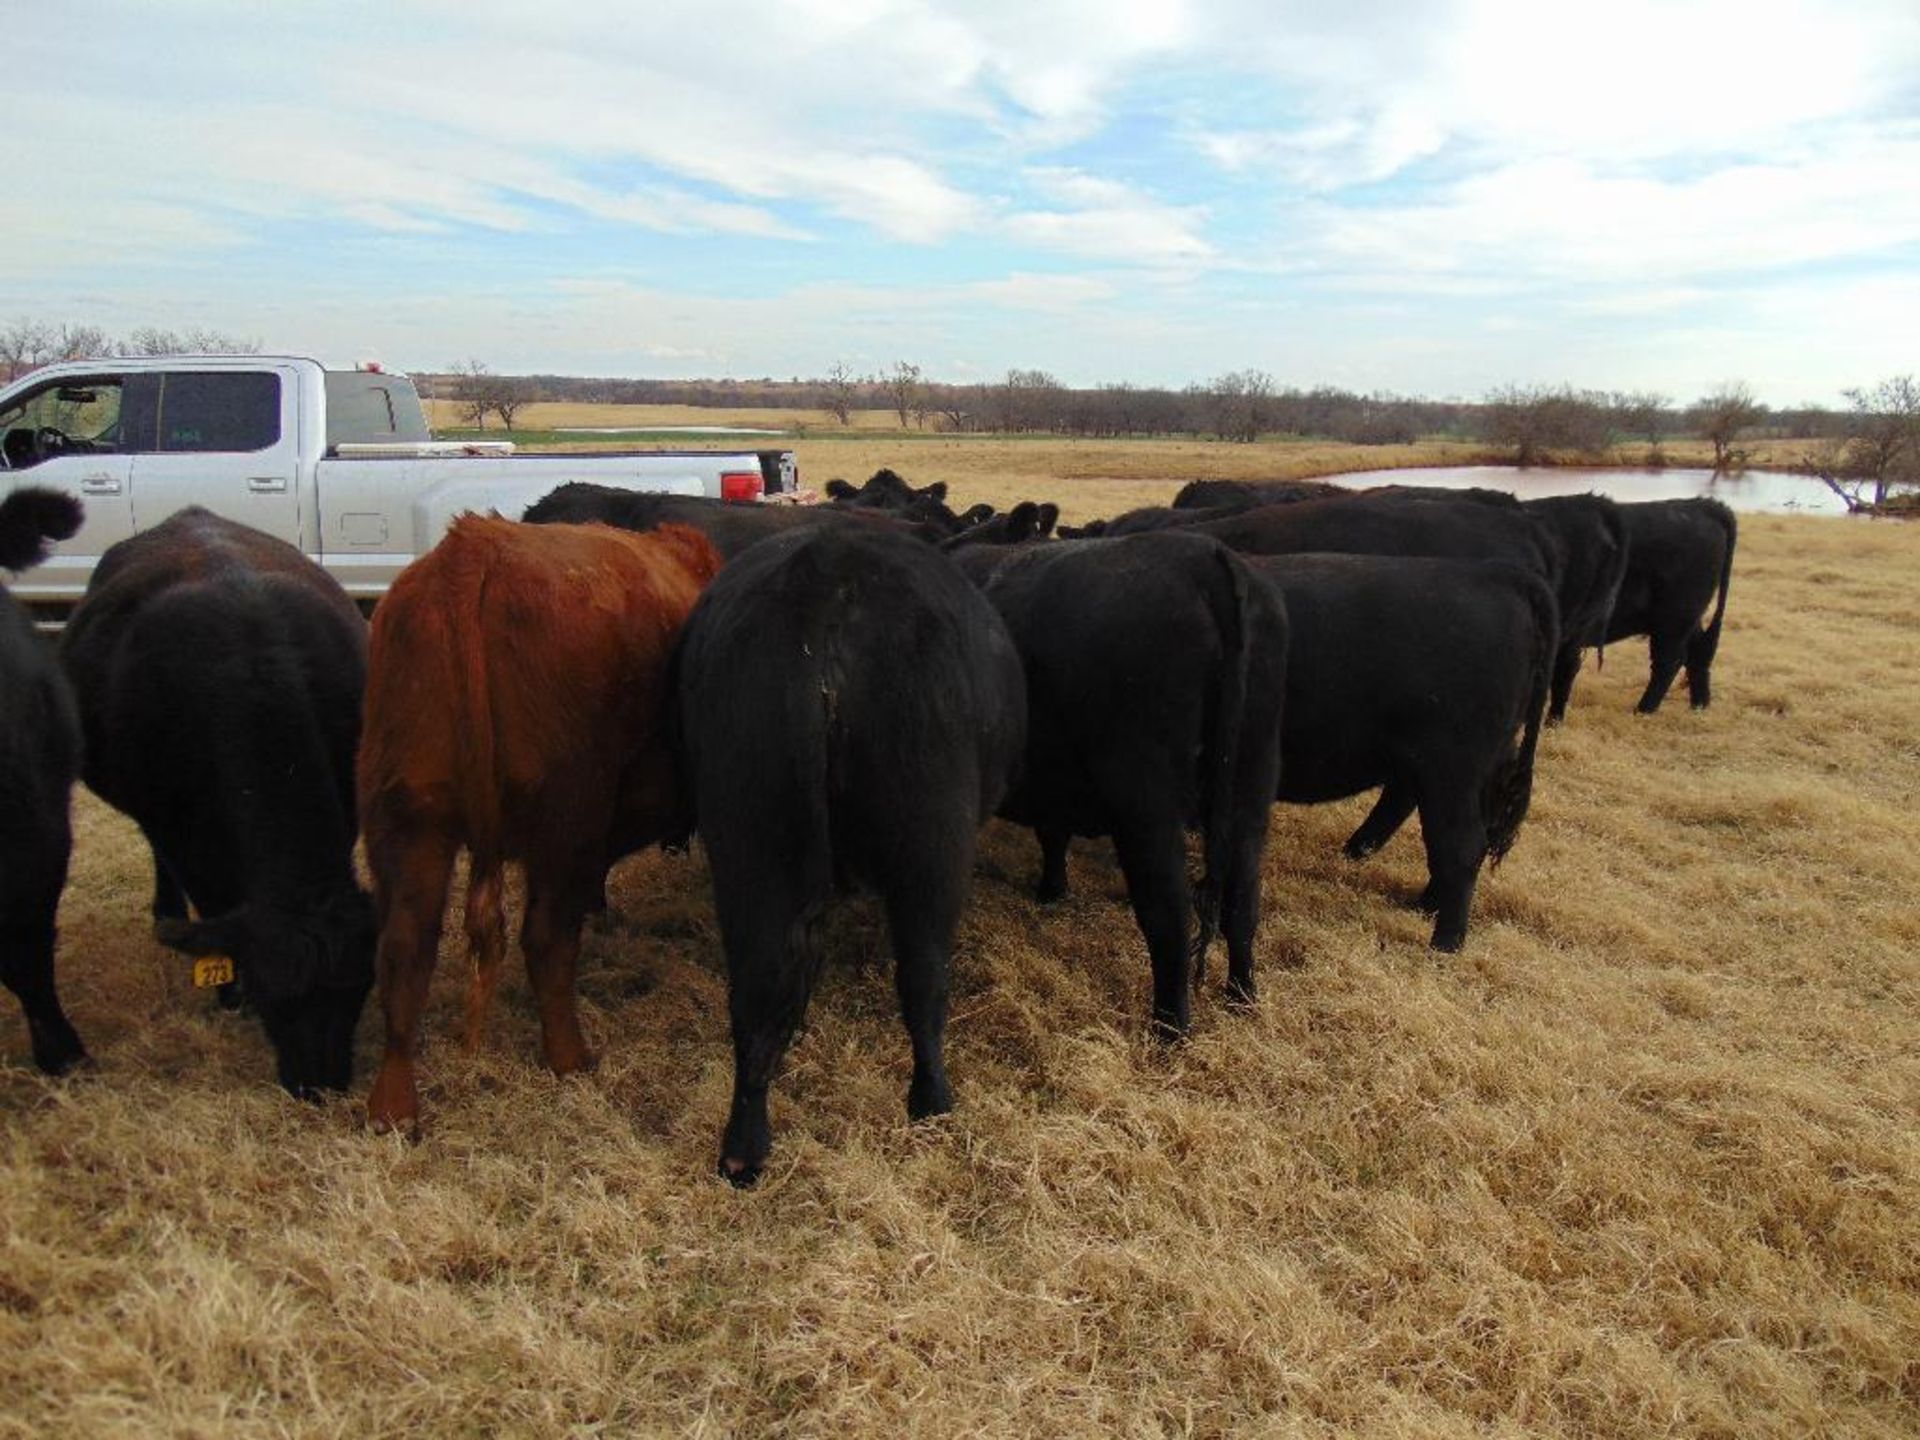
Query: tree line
[
  {"x": 28, "y": 344},
  {"x": 1863, "y": 452}
]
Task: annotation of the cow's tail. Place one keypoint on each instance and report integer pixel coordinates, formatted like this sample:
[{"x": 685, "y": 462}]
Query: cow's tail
[
  {"x": 1221, "y": 759},
  {"x": 811, "y": 745},
  {"x": 477, "y": 746},
  {"x": 1702, "y": 647},
  {"x": 29, "y": 518},
  {"x": 1510, "y": 791}
]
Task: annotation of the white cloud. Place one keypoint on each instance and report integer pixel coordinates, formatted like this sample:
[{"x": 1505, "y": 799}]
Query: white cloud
[
  {"x": 1103, "y": 219},
  {"x": 1560, "y": 220}
]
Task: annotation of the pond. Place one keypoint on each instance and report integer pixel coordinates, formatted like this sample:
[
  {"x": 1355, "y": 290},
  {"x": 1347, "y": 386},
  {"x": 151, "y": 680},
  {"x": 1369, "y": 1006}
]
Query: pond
[{"x": 1750, "y": 490}]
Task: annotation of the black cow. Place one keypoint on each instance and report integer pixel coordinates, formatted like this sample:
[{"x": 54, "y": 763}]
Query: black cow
[
  {"x": 731, "y": 528},
  {"x": 1590, "y": 543},
  {"x": 1678, "y": 553},
  {"x": 888, "y": 493},
  {"x": 1156, "y": 666},
  {"x": 1395, "y": 523},
  {"x": 1239, "y": 494},
  {"x": 39, "y": 757},
  {"x": 1595, "y": 555},
  {"x": 1415, "y": 674},
  {"x": 219, "y": 674},
  {"x": 902, "y": 715}
]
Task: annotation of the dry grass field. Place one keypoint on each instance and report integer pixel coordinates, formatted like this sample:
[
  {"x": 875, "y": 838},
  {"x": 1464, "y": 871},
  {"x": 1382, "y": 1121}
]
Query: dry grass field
[
  {"x": 1644, "y": 1160},
  {"x": 873, "y": 438}
]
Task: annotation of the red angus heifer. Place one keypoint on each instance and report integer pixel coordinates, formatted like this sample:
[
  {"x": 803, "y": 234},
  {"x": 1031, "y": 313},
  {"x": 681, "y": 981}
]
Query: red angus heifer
[{"x": 516, "y": 699}]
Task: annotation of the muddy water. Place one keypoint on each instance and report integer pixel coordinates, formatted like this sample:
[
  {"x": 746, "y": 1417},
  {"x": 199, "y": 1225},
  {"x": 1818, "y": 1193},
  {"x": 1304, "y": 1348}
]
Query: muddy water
[{"x": 1752, "y": 490}]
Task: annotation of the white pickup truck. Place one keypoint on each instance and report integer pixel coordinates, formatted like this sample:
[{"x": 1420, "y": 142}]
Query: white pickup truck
[{"x": 338, "y": 462}]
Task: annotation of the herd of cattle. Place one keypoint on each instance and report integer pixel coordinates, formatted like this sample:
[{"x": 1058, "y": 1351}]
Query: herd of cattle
[{"x": 827, "y": 695}]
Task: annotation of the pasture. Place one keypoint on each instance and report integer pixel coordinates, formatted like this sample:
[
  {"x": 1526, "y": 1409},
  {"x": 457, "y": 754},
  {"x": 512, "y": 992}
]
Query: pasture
[{"x": 1642, "y": 1160}]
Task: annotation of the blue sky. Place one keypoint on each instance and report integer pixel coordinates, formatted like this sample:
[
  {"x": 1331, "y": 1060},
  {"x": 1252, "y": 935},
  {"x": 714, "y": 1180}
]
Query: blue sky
[{"x": 1431, "y": 198}]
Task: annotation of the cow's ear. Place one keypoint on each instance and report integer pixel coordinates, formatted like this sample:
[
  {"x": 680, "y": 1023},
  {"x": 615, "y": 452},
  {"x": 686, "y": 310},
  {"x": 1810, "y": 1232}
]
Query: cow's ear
[
  {"x": 1049, "y": 517},
  {"x": 1023, "y": 522},
  {"x": 936, "y": 491},
  {"x": 977, "y": 515},
  {"x": 840, "y": 490},
  {"x": 219, "y": 936}
]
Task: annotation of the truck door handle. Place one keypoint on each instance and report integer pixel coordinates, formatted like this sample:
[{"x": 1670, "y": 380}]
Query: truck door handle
[
  {"x": 99, "y": 484},
  {"x": 267, "y": 484}
]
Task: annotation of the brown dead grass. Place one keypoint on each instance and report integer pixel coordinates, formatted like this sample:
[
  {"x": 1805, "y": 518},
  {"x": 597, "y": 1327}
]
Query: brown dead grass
[{"x": 1642, "y": 1161}]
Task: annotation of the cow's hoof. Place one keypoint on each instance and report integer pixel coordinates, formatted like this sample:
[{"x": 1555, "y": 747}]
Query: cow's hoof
[
  {"x": 1448, "y": 942},
  {"x": 1240, "y": 994},
  {"x": 928, "y": 1098},
  {"x": 741, "y": 1174}
]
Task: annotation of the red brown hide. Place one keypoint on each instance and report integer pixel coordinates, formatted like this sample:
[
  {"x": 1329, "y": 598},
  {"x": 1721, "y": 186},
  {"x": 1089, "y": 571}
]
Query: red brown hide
[{"x": 516, "y": 705}]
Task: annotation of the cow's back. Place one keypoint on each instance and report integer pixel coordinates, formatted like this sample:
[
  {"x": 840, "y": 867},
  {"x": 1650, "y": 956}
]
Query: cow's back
[
  {"x": 510, "y": 657},
  {"x": 857, "y": 671},
  {"x": 1396, "y": 524}
]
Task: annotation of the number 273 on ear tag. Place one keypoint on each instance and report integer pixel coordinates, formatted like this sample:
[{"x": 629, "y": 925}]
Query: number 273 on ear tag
[{"x": 211, "y": 970}]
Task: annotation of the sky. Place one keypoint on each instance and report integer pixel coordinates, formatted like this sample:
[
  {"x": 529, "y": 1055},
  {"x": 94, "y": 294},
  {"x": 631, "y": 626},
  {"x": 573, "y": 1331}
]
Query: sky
[{"x": 1432, "y": 198}]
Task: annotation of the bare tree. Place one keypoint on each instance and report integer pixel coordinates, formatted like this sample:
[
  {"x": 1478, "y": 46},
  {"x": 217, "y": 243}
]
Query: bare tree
[
  {"x": 151, "y": 340},
  {"x": 1881, "y": 449},
  {"x": 1242, "y": 404},
  {"x": 1721, "y": 416},
  {"x": 508, "y": 394},
  {"x": 839, "y": 391},
  {"x": 903, "y": 388},
  {"x": 1536, "y": 420},
  {"x": 79, "y": 342},
  {"x": 473, "y": 393},
  {"x": 25, "y": 345}
]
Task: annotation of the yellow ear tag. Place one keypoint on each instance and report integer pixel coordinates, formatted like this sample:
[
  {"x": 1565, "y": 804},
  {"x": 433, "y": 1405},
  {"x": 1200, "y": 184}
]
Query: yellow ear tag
[{"x": 212, "y": 970}]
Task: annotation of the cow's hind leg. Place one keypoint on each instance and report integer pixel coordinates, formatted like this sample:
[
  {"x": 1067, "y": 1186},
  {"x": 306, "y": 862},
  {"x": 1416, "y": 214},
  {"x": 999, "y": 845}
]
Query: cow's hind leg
[
  {"x": 1456, "y": 840},
  {"x": 556, "y": 909},
  {"x": 1699, "y": 663},
  {"x": 411, "y": 871},
  {"x": 1389, "y": 813},
  {"x": 1566, "y": 665},
  {"x": 1669, "y": 652},
  {"x": 1052, "y": 884},
  {"x": 773, "y": 956},
  {"x": 26, "y": 964},
  {"x": 1153, "y": 857},
  {"x": 922, "y": 913}
]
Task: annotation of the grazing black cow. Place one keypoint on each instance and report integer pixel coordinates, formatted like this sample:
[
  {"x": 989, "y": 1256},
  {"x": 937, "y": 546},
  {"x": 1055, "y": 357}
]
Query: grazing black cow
[
  {"x": 1679, "y": 552},
  {"x": 902, "y": 714},
  {"x": 731, "y": 527},
  {"x": 219, "y": 674},
  {"x": 1590, "y": 542},
  {"x": 1595, "y": 554},
  {"x": 1395, "y": 523},
  {"x": 1029, "y": 520},
  {"x": 887, "y": 492},
  {"x": 1156, "y": 666},
  {"x": 39, "y": 757},
  {"x": 1213, "y": 494},
  {"x": 1415, "y": 674}
]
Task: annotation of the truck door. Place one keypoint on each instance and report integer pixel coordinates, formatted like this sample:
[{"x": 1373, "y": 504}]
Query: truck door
[
  {"x": 228, "y": 440},
  {"x": 74, "y": 434}
]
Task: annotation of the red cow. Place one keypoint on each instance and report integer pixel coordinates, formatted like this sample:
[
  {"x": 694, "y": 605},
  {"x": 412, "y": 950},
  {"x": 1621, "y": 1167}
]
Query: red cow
[{"x": 516, "y": 705}]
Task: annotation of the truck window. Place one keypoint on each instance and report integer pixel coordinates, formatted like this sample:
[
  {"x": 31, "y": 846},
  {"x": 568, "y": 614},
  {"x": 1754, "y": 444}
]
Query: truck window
[
  {"x": 219, "y": 410},
  {"x": 61, "y": 418},
  {"x": 366, "y": 407}
]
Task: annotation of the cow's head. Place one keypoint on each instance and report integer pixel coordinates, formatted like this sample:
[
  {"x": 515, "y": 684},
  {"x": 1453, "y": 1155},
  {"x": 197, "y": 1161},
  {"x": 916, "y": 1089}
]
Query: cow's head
[{"x": 307, "y": 970}]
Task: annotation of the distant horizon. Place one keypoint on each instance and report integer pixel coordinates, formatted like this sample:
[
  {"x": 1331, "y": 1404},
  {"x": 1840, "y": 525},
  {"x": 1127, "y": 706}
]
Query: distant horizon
[{"x": 1431, "y": 201}]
